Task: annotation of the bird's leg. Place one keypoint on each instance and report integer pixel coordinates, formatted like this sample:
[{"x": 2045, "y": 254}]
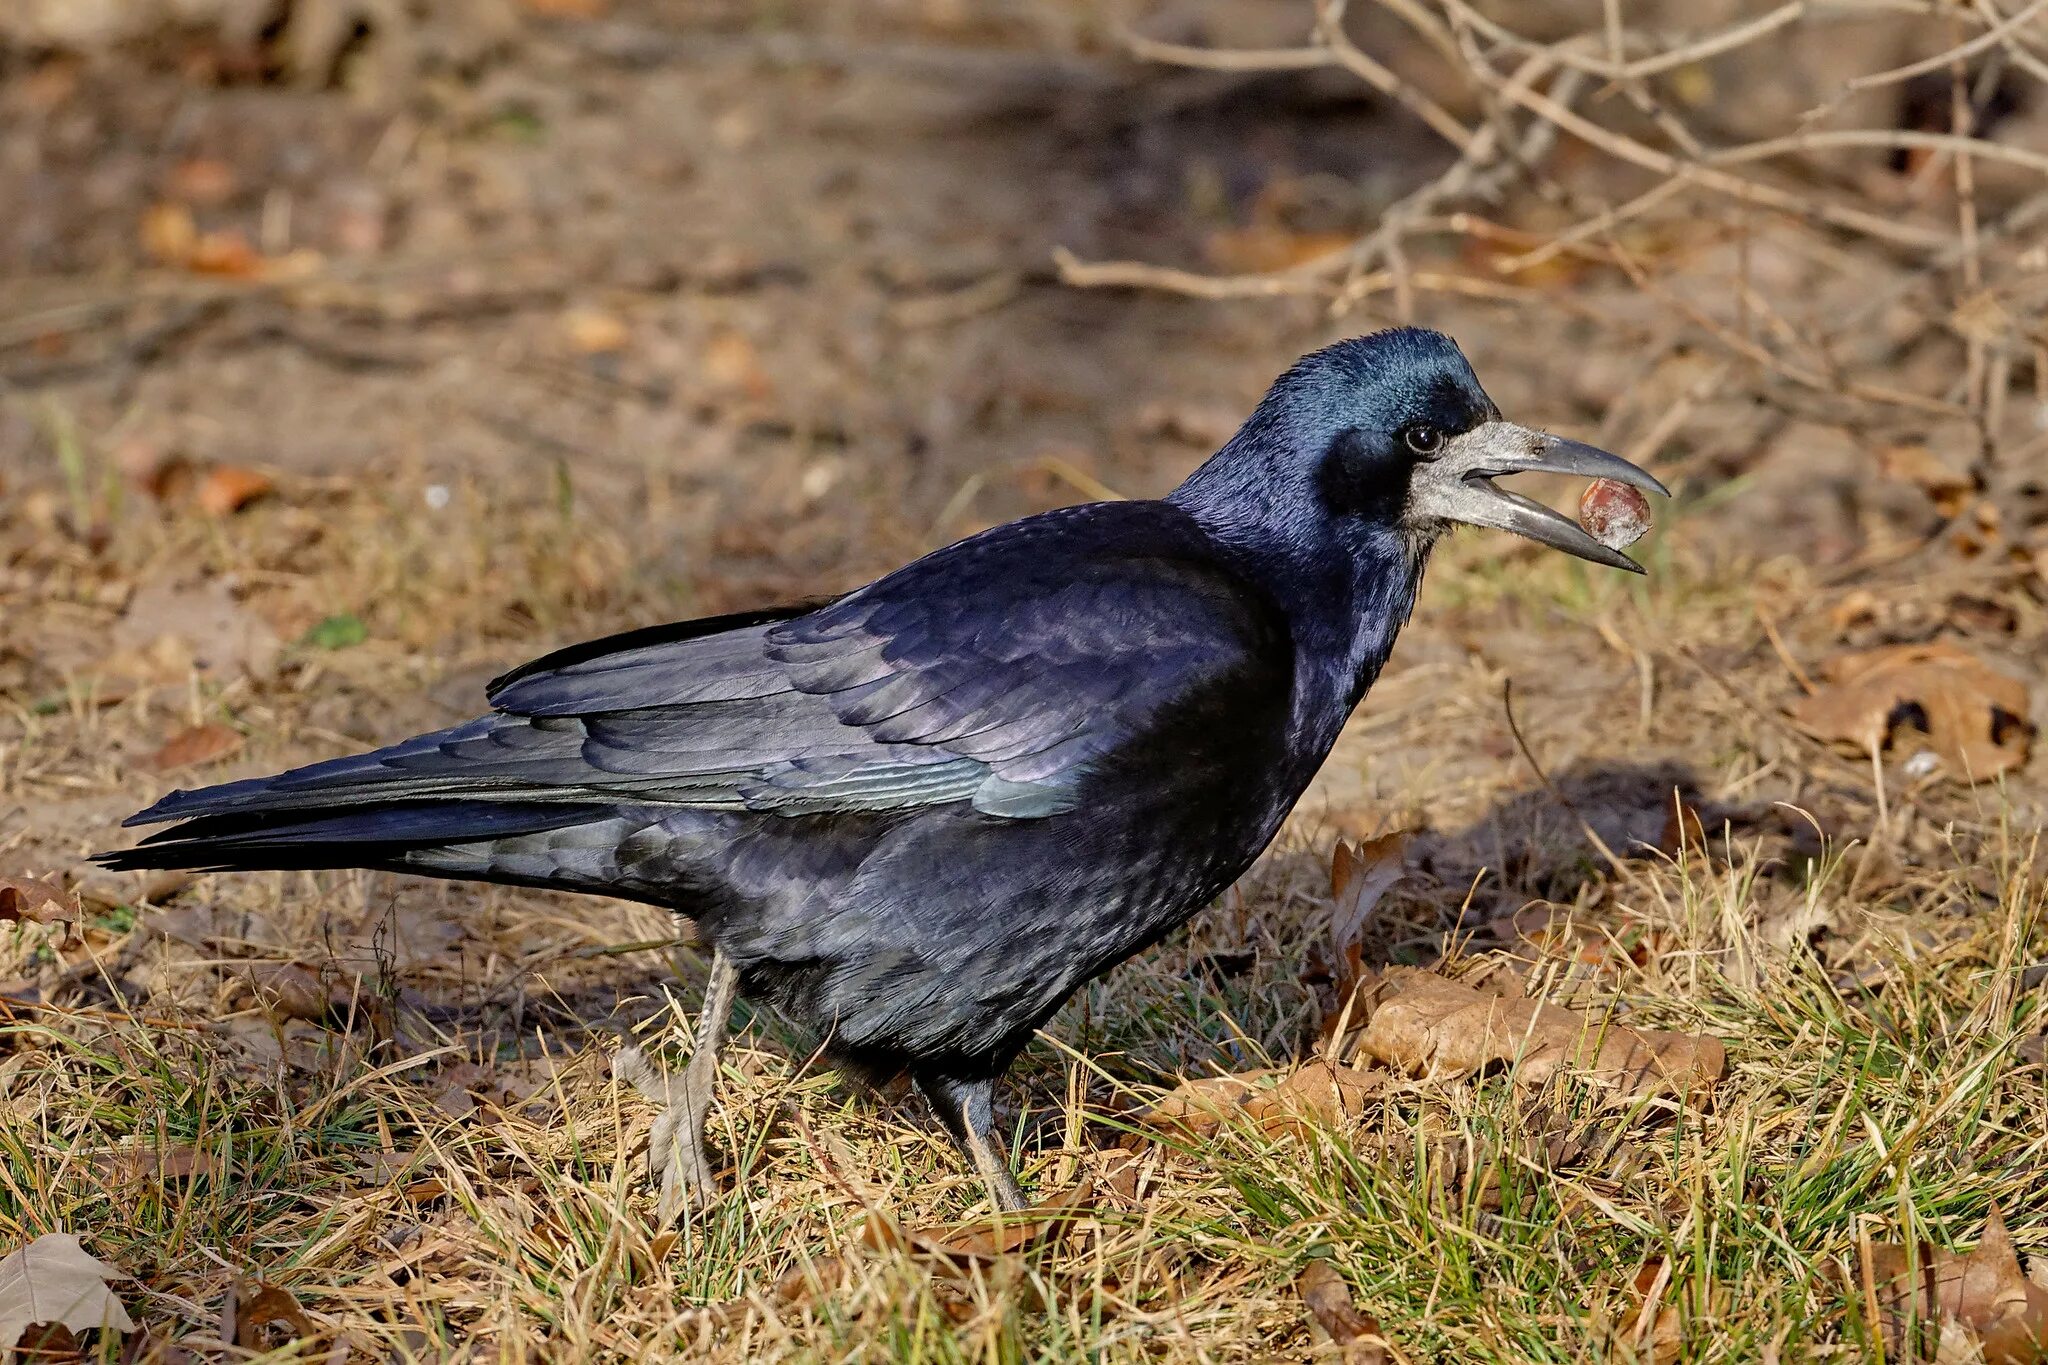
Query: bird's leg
[
  {"x": 675, "y": 1145},
  {"x": 967, "y": 1110}
]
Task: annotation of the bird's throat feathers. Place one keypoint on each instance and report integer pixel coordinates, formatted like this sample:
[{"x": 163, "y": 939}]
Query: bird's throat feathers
[{"x": 1346, "y": 584}]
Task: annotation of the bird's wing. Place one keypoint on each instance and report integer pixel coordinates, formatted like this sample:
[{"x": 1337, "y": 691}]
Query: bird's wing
[{"x": 997, "y": 671}]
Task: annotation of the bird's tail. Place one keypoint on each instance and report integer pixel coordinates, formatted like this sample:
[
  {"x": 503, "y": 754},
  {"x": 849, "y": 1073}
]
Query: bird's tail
[
  {"x": 393, "y": 834},
  {"x": 444, "y": 803}
]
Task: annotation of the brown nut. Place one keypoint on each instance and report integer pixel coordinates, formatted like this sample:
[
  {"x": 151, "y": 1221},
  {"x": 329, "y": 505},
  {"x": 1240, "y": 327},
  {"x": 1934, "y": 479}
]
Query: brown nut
[{"x": 1614, "y": 514}]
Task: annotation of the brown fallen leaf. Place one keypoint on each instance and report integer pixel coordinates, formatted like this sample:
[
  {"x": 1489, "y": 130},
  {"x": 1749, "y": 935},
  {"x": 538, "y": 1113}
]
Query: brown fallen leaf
[
  {"x": 286, "y": 990},
  {"x": 196, "y": 744},
  {"x": 267, "y": 1317},
  {"x": 1684, "y": 830},
  {"x": 168, "y": 232},
  {"x": 35, "y": 900},
  {"x": 1649, "y": 1332},
  {"x": 1946, "y": 488},
  {"x": 55, "y": 1280},
  {"x": 150, "y": 467},
  {"x": 226, "y": 489},
  {"x": 592, "y": 332},
  {"x": 802, "y": 1284},
  {"x": 1360, "y": 875},
  {"x": 1975, "y": 717},
  {"x": 1267, "y": 247},
  {"x": 202, "y": 180},
  {"x": 1986, "y": 1293},
  {"x": 1199, "y": 1106},
  {"x": 226, "y": 253},
  {"x": 1420, "y": 1022},
  {"x": 181, "y": 1161},
  {"x": 731, "y": 362},
  {"x": 1336, "y": 1317},
  {"x": 1318, "y": 1095},
  {"x": 963, "y": 1247}
]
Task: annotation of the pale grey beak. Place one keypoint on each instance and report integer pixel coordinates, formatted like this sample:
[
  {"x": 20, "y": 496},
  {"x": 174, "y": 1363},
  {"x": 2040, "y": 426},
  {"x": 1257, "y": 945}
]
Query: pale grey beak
[{"x": 1458, "y": 486}]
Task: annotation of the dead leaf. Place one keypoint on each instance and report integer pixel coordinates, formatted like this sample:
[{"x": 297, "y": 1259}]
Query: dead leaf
[
  {"x": 732, "y": 362},
  {"x": 1420, "y": 1022},
  {"x": 1268, "y": 247},
  {"x": 196, "y": 744},
  {"x": 286, "y": 990},
  {"x": 35, "y": 900},
  {"x": 226, "y": 489},
  {"x": 1648, "y": 1332},
  {"x": 1318, "y": 1095},
  {"x": 1684, "y": 830},
  {"x": 1360, "y": 875},
  {"x": 1986, "y": 1293},
  {"x": 150, "y": 467},
  {"x": 1975, "y": 718},
  {"x": 1198, "y": 1107},
  {"x": 1947, "y": 489},
  {"x": 1336, "y": 1317},
  {"x": 800, "y": 1285},
  {"x": 55, "y": 1280},
  {"x": 226, "y": 253},
  {"x": 568, "y": 9},
  {"x": 168, "y": 233},
  {"x": 202, "y": 180},
  {"x": 965, "y": 1246},
  {"x": 182, "y": 1161},
  {"x": 592, "y": 332},
  {"x": 262, "y": 1306}
]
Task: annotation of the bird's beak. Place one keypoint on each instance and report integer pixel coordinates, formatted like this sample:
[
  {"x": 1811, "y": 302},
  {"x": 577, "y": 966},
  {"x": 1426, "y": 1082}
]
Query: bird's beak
[{"x": 1458, "y": 486}]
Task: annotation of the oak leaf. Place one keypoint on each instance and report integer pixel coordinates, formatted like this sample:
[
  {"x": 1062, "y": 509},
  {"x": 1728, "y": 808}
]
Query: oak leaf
[
  {"x": 196, "y": 744},
  {"x": 1423, "y": 1023},
  {"x": 1320, "y": 1094},
  {"x": 1328, "y": 1300},
  {"x": 35, "y": 900},
  {"x": 262, "y": 1306},
  {"x": 55, "y": 1280},
  {"x": 1985, "y": 1293},
  {"x": 965, "y": 1246},
  {"x": 1975, "y": 717},
  {"x": 226, "y": 489}
]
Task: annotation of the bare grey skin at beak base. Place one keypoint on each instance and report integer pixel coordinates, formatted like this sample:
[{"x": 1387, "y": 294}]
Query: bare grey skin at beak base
[{"x": 1457, "y": 486}]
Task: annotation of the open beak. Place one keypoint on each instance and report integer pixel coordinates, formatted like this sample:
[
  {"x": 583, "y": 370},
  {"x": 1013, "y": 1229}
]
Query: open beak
[{"x": 1458, "y": 486}]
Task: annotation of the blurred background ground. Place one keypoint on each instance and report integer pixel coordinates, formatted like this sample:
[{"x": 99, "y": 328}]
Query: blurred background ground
[{"x": 352, "y": 351}]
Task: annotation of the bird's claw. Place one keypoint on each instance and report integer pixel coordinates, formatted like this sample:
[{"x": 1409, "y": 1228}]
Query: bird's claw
[{"x": 676, "y": 1161}]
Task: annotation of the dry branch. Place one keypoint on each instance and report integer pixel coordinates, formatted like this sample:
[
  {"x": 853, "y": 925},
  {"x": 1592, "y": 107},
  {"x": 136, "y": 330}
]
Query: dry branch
[{"x": 1880, "y": 243}]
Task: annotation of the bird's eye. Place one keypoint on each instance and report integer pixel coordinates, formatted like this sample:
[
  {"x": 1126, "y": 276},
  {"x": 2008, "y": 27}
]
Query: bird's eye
[{"x": 1422, "y": 438}]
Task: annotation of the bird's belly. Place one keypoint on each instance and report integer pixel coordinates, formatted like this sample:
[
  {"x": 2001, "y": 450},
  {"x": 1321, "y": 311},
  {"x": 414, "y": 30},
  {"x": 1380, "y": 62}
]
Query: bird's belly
[{"x": 961, "y": 934}]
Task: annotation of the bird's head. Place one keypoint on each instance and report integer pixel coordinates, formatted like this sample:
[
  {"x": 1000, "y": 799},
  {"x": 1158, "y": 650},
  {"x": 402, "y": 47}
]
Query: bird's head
[{"x": 1388, "y": 439}]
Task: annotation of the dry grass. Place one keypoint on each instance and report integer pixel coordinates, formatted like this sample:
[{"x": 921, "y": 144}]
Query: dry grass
[
  {"x": 392, "y": 1099},
  {"x": 436, "y": 1162}
]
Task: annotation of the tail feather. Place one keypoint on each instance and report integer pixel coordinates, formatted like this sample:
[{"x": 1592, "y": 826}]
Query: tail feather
[
  {"x": 349, "y": 836},
  {"x": 493, "y": 756}
]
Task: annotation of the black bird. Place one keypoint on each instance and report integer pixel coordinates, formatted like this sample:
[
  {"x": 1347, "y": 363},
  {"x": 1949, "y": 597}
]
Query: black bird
[{"x": 917, "y": 817}]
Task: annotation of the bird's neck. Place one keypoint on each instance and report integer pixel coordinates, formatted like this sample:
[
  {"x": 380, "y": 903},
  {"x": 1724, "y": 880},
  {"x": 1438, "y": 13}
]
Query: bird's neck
[
  {"x": 1345, "y": 619},
  {"x": 1345, "y": 587}
]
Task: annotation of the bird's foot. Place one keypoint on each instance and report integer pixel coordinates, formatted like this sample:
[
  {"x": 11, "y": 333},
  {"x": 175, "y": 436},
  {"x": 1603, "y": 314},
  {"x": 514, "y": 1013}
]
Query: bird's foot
[{"x": 676, "y": 1160}]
